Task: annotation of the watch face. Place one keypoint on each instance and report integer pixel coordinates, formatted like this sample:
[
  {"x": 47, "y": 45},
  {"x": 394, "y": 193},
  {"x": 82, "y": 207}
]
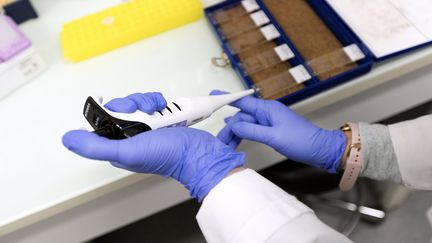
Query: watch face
[{"x": 346, "y": 128}]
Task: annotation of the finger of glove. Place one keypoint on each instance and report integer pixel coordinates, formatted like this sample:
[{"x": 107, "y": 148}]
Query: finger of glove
[
  {"x": 147, "y": 102},
  {"x": 250, "y": 105},
  {"x": 253, "y": 132},
  {"x": 121, "y": 153},
  {"x": 235, "y": 142},
  {"x": 226, "y": 134},
  {"x": 90, "y": 145},
  {"x": 247, "y": 104},
  {"x": 119, "y": 165},
  {"x": 123, "y": 105},
  {"x": 218, "y": 92},
  {"x": 265, "y": 111},
  {"x": 227, "y": 119}
]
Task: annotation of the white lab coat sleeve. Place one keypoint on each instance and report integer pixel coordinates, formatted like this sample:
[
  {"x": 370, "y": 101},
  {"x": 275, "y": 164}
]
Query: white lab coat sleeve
[
  {"x": 412, "y": 143},
  {"x": 246, "y": 207}
]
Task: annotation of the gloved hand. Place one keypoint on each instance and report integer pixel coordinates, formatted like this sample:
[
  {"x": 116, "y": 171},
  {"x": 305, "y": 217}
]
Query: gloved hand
[
  {"x": 195, "y": 158},
  {"x": 274, "y": 124}
]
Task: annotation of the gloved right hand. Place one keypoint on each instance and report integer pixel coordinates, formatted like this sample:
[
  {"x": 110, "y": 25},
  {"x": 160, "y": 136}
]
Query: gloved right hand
[
  {"x": 193, "y": 157},
  {"x": 274, "y": 124}
]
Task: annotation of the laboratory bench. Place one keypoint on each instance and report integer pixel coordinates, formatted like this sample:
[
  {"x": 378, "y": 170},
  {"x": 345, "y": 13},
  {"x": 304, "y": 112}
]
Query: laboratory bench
[{"x": 51, "y": 195}]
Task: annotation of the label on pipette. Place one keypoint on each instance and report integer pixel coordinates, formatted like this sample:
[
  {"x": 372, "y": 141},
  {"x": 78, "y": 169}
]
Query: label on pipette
[
  {"x": 260, "y": 18},
  {"x": 270, "y": 32}
]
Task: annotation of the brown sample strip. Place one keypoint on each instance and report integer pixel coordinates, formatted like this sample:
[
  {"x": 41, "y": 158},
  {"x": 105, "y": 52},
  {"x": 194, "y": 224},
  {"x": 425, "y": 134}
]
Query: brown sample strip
[
  {"x": 273, "y": 80},
  {"x": 229, "y": 14},
  {"x": 276, "y": 82},
  {"x": 310, "y": 35},
  {"x": 278, "y": 86},
  {"x": 240, "y": 25},
  {"x": 247, "y": 40},
  {"x": 259, "y": 57},
  {"x": 256, "y": 50},
  {"x": 256, "y": 53}
]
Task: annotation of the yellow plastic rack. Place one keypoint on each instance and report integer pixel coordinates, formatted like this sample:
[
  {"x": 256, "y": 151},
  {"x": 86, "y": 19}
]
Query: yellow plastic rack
[{"x": 124, "y": 24}]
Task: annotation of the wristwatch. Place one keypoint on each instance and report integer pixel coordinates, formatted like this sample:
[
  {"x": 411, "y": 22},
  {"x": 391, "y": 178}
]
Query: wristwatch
[{"x": 354, "y": 161}]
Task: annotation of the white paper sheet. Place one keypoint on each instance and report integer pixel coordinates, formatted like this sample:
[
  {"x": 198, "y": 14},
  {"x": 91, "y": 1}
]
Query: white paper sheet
[{"x": 388, "y": 26}]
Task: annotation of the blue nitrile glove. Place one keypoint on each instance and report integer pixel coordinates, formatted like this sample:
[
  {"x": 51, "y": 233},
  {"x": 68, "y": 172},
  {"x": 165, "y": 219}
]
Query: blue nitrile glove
[
  {"x": 274, "y": 124},
  {"x": 195, "y": 158}
]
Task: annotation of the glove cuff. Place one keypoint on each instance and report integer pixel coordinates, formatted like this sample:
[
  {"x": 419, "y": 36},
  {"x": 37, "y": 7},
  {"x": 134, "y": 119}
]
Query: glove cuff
[
  {"x": 206, "y": 180},
  {"x": 337, "y": 141}
]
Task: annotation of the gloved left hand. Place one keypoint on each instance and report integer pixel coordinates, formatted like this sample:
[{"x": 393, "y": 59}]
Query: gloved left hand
[
  {"x": 274, "y": 124},
  {"x": 193, "y": 157}
]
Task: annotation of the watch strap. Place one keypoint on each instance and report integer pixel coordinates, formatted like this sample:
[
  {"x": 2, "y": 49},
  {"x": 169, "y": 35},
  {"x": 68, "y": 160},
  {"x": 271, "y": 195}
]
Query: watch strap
[{"x": 354, "y": 161}]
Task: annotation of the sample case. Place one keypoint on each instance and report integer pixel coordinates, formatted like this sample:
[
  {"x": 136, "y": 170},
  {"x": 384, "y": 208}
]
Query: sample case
[{"x": 293, "y": 49}]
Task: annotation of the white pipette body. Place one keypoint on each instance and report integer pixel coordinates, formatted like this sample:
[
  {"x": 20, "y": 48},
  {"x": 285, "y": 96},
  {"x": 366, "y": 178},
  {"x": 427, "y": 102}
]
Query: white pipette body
[{"x": 182, "y": 111}]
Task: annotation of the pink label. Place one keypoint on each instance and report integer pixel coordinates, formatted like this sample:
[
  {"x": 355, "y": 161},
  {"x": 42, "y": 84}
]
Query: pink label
[{"x": 12, "y": 40}]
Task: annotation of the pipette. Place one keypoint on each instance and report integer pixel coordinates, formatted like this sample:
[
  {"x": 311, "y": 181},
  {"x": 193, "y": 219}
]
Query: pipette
[{"x": 179, "y": 112}]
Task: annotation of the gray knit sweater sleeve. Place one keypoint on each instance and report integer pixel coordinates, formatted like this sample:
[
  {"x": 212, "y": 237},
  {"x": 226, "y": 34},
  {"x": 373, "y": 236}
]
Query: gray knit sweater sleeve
[{"x": 380, "y": 162}]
